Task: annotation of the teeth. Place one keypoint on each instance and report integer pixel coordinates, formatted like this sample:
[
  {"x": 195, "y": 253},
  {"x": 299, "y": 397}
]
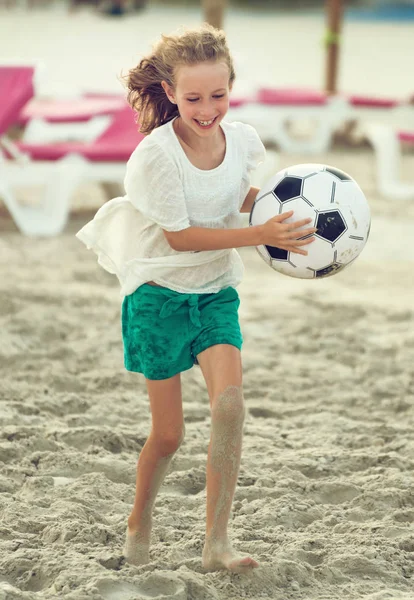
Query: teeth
[{"x": 206, "y": 122}]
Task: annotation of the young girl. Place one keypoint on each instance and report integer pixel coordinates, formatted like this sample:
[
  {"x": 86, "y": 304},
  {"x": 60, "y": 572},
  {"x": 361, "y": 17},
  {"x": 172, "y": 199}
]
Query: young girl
[{"x": 171, "y": 242}]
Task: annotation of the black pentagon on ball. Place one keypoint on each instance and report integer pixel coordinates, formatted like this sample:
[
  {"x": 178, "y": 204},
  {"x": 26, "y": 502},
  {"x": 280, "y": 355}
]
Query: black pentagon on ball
[
  {"x": 330, "y": 225},
  {"x": 330, "y": 270},
  {"x": 338, "y": 173},
  {"x": 277, "y": 253},
  {"x": 288, "y": 188}
]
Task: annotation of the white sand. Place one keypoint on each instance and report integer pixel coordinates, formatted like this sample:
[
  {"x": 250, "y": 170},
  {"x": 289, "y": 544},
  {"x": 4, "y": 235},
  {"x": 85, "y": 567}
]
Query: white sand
[{"x": 325, "y": 498}]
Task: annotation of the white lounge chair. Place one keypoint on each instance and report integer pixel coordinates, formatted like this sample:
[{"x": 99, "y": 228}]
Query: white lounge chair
[
  {"x": 271, "y": 111},
  {"x": 387, "y": 123},
  {"x": 387, "y": 142}
]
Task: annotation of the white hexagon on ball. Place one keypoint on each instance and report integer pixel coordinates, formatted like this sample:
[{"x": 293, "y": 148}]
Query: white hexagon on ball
[
  {"x": 320, "y": 254},
  {"x": 318, "y": 189},
  {"x": 301, "y": 210},
  {"x": 286, "y": 268},
  {"x": 353, "y": 196},
  {"x": 264, "y": 209}
]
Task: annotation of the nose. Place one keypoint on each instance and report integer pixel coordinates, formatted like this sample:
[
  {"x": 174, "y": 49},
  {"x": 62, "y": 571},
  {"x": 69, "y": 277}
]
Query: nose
[{"x": 206, "y": 110}]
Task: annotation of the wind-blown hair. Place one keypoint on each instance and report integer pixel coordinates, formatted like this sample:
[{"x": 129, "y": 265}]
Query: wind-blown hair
[{"x": 145, "y": 92}]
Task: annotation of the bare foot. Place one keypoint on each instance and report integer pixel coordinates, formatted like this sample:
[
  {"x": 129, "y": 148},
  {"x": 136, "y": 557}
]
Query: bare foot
[
  {"x": 216, "y": 557},
  {"x": 136, "y": 548}
]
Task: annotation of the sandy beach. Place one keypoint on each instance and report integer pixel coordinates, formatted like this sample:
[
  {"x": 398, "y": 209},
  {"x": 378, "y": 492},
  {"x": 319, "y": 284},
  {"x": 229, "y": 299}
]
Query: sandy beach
[{"x": 325, "y": 496}]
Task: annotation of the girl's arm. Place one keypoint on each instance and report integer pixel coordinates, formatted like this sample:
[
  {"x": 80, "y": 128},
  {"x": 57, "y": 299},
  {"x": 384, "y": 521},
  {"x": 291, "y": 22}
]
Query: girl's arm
[
  {"x": 204, "y": 238},
  {"x": 200, "y": 238},
  {"x": 249, "y": 200}
]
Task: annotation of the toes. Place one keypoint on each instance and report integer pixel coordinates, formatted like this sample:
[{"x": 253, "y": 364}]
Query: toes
[
  {"x": 249, "y": 562},
  {"x": 243, "y": 564}
]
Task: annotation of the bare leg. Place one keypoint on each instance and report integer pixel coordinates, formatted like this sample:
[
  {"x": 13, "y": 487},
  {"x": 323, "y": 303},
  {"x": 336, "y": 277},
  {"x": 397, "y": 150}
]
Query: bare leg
[
  {"x": 153, "y": 463},
  {"x": 223, "y": 465}
]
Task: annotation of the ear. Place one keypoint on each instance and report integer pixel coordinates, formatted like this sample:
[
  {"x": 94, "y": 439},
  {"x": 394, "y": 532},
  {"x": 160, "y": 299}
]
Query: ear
[{"x": 169, "y": 91}]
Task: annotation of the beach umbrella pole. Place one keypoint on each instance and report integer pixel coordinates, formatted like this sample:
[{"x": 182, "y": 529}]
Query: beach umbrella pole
[
  {"x": 334, "y": 11},
  {"x": 213, "y": 11}
]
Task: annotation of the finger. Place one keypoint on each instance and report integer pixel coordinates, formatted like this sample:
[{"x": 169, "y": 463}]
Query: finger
[
  {"x": 304, "y": 242},
  {"x": 296, "y": 243},
  {"x": 294, "y": 249},
  {"x": 295, "y": 235},
  {"x": 300, "y": 223},
  {"x": 298, "y": 251},
  {"x": 283, "y": 216}
]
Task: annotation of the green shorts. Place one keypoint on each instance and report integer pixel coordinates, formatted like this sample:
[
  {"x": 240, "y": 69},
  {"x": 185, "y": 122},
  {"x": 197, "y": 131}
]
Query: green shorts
[{"x": 163, "y": 330}]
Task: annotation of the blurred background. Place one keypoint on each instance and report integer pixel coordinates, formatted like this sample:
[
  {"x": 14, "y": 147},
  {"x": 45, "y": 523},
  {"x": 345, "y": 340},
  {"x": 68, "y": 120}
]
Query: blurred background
[
  {"x": 311, "y": 76},
  {"x": 278, "y": 42}
]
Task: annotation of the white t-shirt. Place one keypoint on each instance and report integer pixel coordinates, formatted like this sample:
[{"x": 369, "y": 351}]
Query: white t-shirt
[{"x": 164, "y": 190}]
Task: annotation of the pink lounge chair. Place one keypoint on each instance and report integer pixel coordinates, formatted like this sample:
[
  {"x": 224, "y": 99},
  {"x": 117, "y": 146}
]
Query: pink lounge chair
[
  {"x": 372, "y": 102},
  {"x": 78, "y": 110},
  {"x": 16, "y": 89},
  {"x": 61, "y": 166},
  {"x": 82, "y": 117},
  {"x": 270, "y": 109},
  {"x": 114, "y": 146}
]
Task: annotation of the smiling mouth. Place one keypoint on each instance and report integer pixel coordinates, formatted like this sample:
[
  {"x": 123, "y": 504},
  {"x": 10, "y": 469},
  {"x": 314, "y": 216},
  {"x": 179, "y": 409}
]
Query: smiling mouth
[{"x": 205, "y": 124}]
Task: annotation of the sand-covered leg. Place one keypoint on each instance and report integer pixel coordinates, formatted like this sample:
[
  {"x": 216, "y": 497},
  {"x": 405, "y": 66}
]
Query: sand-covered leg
[
  {"x": 151, "y": 470},
  {"x": 223, "y": 464}
]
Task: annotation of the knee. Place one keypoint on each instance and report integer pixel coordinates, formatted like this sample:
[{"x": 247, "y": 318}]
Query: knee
[
  {"x": 168, "y": 442},
  {"x": 229, "y": 405}
]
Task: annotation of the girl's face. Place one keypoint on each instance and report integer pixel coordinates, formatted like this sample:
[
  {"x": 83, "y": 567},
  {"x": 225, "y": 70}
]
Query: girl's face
[{"x": 202, "y": 95}]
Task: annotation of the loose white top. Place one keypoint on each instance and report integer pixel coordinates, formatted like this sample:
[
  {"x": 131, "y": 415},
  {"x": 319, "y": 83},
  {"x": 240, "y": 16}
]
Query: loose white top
[{"x": 164, "y": 190}]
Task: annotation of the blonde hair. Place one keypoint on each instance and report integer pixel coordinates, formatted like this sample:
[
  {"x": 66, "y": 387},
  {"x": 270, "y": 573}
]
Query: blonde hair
[{"x": 145, "y": 92}]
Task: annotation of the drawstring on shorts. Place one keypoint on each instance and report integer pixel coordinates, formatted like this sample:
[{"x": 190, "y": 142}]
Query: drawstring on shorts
[{"x": 169, "y": 307}]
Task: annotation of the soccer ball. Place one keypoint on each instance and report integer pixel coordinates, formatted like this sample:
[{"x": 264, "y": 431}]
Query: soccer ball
[{"x": 337, "y": 207}]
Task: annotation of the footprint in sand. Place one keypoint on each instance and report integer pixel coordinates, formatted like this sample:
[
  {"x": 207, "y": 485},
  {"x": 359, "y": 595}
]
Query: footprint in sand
[
  {"x": 187, "y": 484},
  {"x": 263, "y": 413},
  {"x": 154, "y": 586}
]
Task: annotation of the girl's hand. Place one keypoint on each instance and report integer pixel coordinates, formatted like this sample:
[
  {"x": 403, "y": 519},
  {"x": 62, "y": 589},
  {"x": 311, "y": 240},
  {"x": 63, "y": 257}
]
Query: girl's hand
[{"x": 286, "y": 235}]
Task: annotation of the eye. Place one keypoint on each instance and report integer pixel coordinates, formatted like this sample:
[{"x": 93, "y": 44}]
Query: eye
[{"x": 195, "y": 99}]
